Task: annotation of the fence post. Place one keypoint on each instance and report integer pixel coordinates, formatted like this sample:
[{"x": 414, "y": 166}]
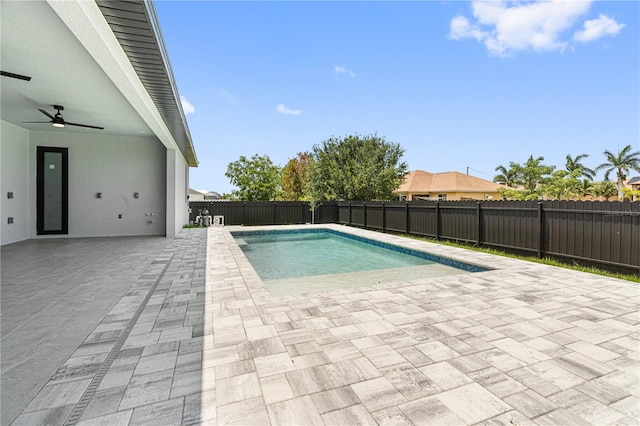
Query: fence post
[
  {"x": 540, "y": 229},
  {"x": 384, "y": 228},
  {"x": 479, "y": 219},
  {"x": 349, "y": 213},
  {"x": 437, "y": 219},
  {"x": 305, "y": 206},
  {"x": 273, "y": 213},
  {"x": 406, "y": 208},
  {"x": 244, "y": 213},
  {"x": 364, "y": 214}
]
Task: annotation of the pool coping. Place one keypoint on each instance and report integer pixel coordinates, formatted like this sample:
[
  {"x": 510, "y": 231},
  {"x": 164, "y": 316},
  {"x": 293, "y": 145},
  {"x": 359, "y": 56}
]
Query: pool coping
[
  {"x": 261, "y": 295},
  {"x": 422, "y": 254}
]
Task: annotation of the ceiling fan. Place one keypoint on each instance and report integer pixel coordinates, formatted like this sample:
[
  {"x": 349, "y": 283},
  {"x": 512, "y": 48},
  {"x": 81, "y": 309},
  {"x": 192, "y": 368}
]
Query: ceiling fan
[{"x": 58, "y": 121}]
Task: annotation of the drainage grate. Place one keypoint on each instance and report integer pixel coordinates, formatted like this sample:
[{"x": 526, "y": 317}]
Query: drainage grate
[{"x": 79, "y": 408}]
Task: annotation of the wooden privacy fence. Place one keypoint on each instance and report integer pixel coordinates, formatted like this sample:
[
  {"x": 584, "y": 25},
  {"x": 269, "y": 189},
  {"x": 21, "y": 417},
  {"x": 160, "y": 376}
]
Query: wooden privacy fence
[{"x": 604, "y": 234}]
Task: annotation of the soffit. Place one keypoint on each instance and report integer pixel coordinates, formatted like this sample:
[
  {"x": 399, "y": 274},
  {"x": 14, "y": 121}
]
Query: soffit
[
  {"x": 35, "y": 42},
  {"x": 135, "y": 24}
]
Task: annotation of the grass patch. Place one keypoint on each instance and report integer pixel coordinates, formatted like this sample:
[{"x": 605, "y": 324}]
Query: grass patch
[
  {"x": 192, "y": 226},
  {"x": 545, "y": 261}
]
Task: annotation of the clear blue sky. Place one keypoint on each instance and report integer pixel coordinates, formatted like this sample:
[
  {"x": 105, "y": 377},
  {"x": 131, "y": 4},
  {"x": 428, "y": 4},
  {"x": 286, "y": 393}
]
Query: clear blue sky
[{"x": 456, "y": 84}]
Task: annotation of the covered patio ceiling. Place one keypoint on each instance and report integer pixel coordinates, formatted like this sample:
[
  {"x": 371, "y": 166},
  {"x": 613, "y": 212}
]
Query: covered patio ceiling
[{"x": 53, "y": 43}]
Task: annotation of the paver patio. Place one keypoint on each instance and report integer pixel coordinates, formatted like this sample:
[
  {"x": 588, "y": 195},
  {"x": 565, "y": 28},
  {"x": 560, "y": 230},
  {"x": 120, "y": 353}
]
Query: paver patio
[{"x": 198, "y": 339}]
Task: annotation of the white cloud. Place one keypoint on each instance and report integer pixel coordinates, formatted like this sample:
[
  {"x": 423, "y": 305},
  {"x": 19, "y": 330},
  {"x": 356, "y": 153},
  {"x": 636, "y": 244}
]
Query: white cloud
[
  {"x": 286, "y": 111},
  {"x": 228, "y": 96},
  {"x": 506, "y": 27},
  {"x": 342, "y": 70},
  {"x": 597, "y": 28},
  {"x": 187, "y": 107}
]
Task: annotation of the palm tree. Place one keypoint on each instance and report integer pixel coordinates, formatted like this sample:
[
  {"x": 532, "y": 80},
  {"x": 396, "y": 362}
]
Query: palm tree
[
  {"x": 604, "y": 189},
  {"x": 573, "y": 164},
  {"x": 507, "y": 177},
  {"x": 584, "y": 188},
  {"x": 621, "y": 164}
]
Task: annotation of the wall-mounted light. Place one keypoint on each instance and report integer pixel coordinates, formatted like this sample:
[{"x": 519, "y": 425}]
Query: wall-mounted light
[
  {"x": 98, "y": 194},
  {"x": 136, "y": 195}
]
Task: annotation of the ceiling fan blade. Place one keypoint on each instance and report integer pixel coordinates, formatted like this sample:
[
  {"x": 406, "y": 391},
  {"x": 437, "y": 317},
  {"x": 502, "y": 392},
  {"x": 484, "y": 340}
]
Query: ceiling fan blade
[
  {"x": 68, "y": 123},
  {"x": 46, "y": 113},
  {"x": 13, "y": 75},
  {"x": 36, "y": 122}
]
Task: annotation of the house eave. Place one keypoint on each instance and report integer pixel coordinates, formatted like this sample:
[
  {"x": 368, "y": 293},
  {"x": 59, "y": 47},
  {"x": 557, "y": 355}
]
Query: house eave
[{"x": 135, "y": 25}]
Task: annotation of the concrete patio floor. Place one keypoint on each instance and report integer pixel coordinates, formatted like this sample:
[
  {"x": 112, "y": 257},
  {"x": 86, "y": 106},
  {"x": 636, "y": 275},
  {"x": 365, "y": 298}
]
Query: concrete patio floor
[{"x": 197, "y": 339}]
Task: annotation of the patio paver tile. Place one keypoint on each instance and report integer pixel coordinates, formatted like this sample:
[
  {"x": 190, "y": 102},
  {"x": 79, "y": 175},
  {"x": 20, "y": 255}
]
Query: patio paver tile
[
  {"x": 160, "y": 413},
  {"x": 121, "y": 418},
  {"x": 445, "y": 376},
  {"x": 377, "y": 393},
  {"x": 334, "y": 399},
  {"x": 275, "y": 388},
  {"x": 472, "y": 403},
  {"x": 430, "y": 411},
  {"x": 354, "y": 415},
  {"x": 524, "y": 343},
  {"x": 298, "y": 411},
  {"x": 391, "y": 416}
]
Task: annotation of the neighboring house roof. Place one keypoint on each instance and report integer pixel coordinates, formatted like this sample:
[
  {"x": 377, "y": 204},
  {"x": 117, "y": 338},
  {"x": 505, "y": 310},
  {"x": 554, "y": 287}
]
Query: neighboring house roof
[
  {"x": 197, "y": 191},
  {"x": 420, "y": 181},
  {"x": 634, "y": 181},
  {"x": 203, "y": 192}
]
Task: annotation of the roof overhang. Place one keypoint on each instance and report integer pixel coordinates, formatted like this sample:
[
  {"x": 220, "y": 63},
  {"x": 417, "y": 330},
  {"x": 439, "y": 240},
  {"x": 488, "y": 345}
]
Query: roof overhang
[{"x": 104, "y": 62}]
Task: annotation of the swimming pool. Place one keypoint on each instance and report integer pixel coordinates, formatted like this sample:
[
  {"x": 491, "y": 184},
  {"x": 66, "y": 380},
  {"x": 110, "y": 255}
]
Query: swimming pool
[{"x": 303, "y": 260}]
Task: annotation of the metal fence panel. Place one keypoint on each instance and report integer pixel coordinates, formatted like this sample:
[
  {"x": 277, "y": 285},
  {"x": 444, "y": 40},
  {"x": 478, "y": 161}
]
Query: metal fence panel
[
  {"x": 396, "y": 216},
  {"x": 511, "y": 225},
  {"x": 605, "y": 234},
  {"x": 423, "y": 219},
  {"x": 459, "y": 221}
]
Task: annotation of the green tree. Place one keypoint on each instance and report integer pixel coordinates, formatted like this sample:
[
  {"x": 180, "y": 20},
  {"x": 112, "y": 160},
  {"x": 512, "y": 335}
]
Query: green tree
[
  {"x": 573, "y": 164},
  {"x": 519, "y": 194},
  {"x": 356, "y": 168},
  {"x": 630, "y": 194},
  {"x": 604, "y": 189},
  {"x": 506, "y": 176},
  {"x": 585, "y": 187},
  {"x": 532, "y": 173},
  {"x": 622, "y": 164},
  {"x": 532, "y": 176},
  {"x": 295, "y": 177},
  {"x": 562, "y": 185},
  {"x": 257, "y": 178}
]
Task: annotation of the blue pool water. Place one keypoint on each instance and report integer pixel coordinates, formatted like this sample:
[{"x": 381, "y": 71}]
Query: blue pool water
[{"x": 277, "y": 255}]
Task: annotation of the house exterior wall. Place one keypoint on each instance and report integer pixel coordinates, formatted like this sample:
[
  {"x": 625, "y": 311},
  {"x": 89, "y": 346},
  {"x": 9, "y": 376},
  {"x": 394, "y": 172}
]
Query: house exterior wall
[
  {"x": 195, "y": 196},
  {"x": 477, "y": 195},
  {"x": 14, "y": 161},
  {"x": 456, "y": 196},
  {"x": 177, "y": 190},
  {"x": 115, "y": 166}
]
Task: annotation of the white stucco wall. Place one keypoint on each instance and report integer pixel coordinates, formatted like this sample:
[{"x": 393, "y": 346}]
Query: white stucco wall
[
  {"x": 14, "y": 161},
  {"x": 117, "y": 167},
  {"x": 177, "y": 188}
]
